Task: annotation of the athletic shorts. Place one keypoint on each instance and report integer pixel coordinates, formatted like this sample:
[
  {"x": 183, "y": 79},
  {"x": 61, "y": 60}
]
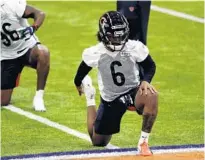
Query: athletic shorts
[
  {"x": 11, "y": 69},
  {"x": 109, "y": 114}
]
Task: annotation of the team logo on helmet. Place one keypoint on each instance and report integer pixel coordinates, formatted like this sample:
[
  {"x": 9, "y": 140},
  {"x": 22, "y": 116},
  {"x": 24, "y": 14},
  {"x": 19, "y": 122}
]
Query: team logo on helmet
[{"x": 131, "y": 9}]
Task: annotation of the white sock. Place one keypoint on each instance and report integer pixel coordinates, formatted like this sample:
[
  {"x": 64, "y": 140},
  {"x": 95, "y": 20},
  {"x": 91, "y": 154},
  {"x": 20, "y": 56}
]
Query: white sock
[
  {"x": 144, "y": 137},
  {"x": 39, "y": 93}
]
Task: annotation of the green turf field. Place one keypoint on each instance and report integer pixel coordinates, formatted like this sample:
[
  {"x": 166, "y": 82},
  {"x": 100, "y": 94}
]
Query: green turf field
[
  {"x": 177, "y": 46},
  {"x": 194, "y": 8}
]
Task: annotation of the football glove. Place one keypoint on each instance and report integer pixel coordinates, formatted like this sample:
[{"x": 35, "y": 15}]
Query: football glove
[{"x": 26, "y": 32}]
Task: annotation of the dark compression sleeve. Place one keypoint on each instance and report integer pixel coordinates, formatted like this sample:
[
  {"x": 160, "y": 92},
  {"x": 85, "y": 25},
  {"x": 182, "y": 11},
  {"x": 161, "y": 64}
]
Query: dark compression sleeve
[
  {"x": 149, "y": 68},
  {"x": 82, "y": 71}
]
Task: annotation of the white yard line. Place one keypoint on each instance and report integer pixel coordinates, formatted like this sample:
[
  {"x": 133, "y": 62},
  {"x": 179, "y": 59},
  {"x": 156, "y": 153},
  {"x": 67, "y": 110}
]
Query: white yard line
[
  {"x": 177, "y": 14},
  {"x": 53, "y": 124}
]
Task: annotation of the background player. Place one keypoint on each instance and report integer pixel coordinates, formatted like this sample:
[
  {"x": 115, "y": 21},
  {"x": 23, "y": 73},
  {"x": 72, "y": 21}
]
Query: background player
[
  {"x": 117, "y": 60},
  {"x": 20, "y": 47},
  {"x": 137, "y": 14}
]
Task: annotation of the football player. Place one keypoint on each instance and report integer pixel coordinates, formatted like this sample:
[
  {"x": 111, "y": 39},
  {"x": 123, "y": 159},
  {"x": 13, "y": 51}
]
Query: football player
[
  {"x": 20, "y": 47},
  {"x": 117, "y": 59},
  {"x": 137, "y": 14}
]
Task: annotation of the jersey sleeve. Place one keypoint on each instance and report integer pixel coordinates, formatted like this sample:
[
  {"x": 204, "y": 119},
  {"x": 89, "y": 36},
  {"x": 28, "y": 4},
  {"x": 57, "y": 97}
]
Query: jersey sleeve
[
  {"x": 19, "y": 7},
  {"x": 90, "y": 57},
  {"x": 140, "y": 51}
]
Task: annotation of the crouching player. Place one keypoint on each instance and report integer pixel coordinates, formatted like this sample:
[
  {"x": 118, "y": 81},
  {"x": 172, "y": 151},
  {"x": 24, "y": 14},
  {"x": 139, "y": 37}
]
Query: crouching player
[
  {"x": 117, "y": 59},
  {"x": 20, "y": 47}
]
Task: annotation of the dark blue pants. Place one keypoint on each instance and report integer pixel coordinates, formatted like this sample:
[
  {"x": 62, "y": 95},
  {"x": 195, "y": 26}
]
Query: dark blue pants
[{"x": 137, "y": 14}]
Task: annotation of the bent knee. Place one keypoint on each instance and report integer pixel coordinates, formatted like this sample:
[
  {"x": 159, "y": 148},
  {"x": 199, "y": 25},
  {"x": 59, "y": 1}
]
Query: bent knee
[
  {"x": 6, "y": 97},
  {"x": 5, "y": 102},
  {"x": 44, "y": 54},
  {"x": 155, "y": 95},
  {"x": 152, "y": 95},
  {"x": 44, "y": 51},
  {"x": 99, "y": 144}
]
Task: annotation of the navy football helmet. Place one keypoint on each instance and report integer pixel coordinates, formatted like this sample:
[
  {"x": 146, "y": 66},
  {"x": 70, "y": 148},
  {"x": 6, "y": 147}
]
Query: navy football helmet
[{"x": 113, "y": 30}]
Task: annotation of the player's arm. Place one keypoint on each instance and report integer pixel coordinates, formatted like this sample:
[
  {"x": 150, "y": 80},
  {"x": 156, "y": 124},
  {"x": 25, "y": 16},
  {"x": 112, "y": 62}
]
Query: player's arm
[
  {"x": 90, "y": 59},
  {"x": 143, "y": 58},
  {"x": 146, "y": 62},
  {"x": 82, "y": 71},
  {"x": 36, "y": 14},
  {"x": 149, "y": 71},
  {"x": 149, "y": 67}
]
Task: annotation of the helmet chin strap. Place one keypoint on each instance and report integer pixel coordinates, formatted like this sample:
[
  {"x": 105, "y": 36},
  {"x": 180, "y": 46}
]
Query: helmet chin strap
[
  {"x": 109, "y": 46},
  {"x": 115, "y": 47}
]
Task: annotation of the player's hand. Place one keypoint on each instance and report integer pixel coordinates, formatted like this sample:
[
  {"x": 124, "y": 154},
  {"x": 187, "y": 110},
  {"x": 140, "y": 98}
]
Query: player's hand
[
  {"x": 25, "y": 32},
  {"x": 80, "y": 90},
  {"x": 145, "y": 86}
]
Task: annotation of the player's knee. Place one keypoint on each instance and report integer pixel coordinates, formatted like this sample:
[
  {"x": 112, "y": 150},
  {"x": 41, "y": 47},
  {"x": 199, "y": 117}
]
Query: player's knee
[
  {"x": 151, "y": 95},
  {"x": 154, "y": 95},
  {"x": 6, "y": 97},
  {"x": 153, "y": 100},
  {"x": 5, "y": 102},
  {"x": 44, "y": 55},
  {"x": 100, "y": 144}
]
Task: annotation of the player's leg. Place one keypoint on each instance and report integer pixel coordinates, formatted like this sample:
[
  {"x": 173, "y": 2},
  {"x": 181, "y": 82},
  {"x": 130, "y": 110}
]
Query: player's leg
[
  {"x": 39, "y": 58},
  {"x": 97, "y": 139},
  {"x": 89, "y": 91},
  {"x": 137, "y": 14},
  {"x": 147, "y": 105},
  {"x": 129, "y": 10},
  {"x": 91, "y": 116},
  {"x": 101, "y": 135},
  {"x": 6, "y": 96},
  {"x": 10, "y": 74},
  {"x": 144, "y": 12},
  {"x": 108, "y": 119}
]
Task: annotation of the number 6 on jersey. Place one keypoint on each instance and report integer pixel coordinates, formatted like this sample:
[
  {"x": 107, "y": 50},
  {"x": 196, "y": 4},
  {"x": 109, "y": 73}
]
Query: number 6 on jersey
[{"x": 118, "y": 77}]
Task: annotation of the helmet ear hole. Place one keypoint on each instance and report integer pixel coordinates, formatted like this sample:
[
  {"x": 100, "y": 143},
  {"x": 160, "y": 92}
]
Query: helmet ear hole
[{"x": 99, "y": 36}]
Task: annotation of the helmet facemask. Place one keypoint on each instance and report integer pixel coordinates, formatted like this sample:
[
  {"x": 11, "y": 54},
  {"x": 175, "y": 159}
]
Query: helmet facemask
[{"x": 117, "y": 41}]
